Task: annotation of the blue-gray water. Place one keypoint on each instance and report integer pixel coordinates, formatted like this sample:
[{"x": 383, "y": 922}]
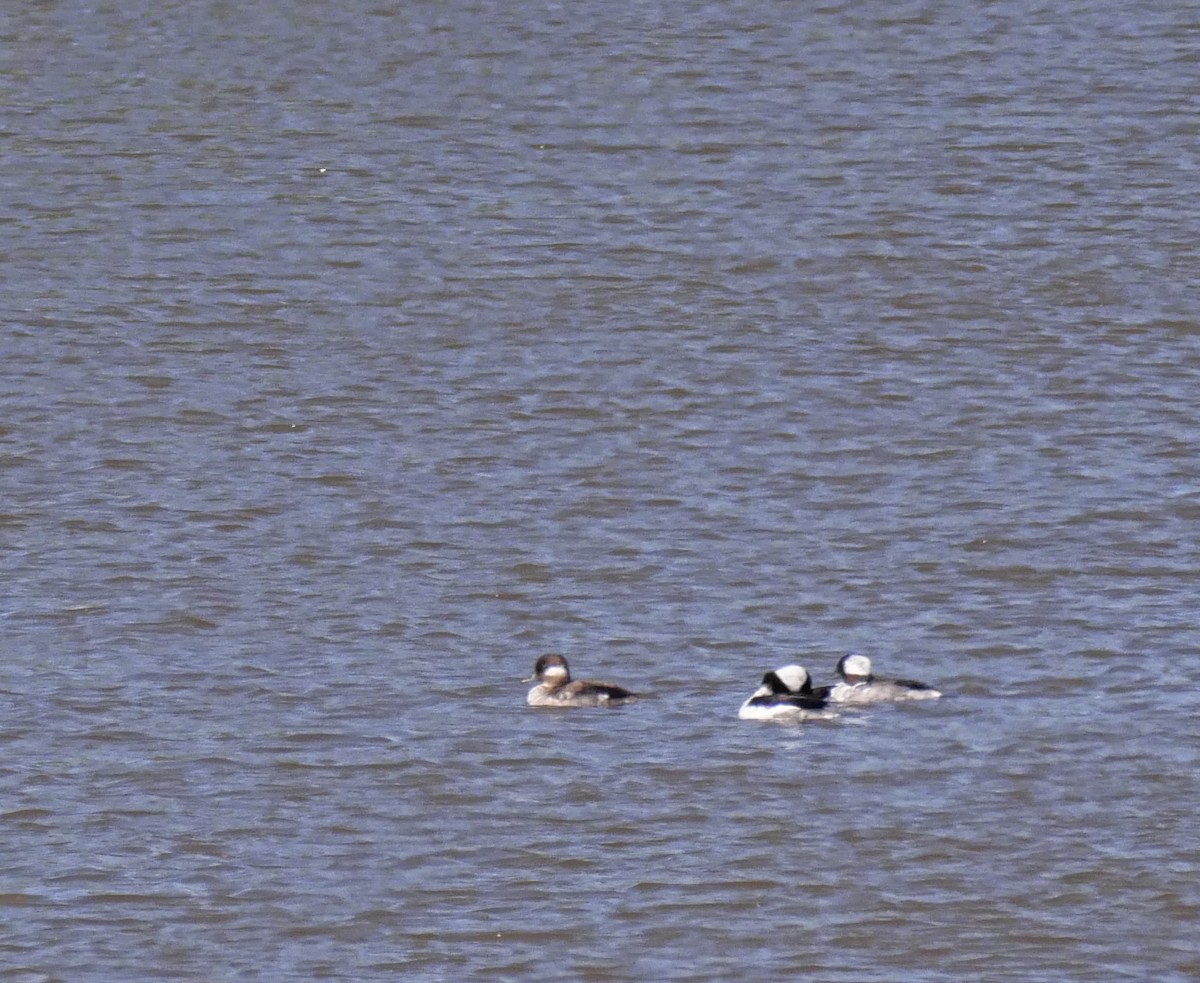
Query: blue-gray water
[{"x": 355, "y": 354}]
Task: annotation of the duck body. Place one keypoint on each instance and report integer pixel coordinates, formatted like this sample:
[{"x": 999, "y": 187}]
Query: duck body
[
  {"x": 787, "y": 695},
  {"x": 556, "y": 688},
  {"x": 858, "y": 685}
]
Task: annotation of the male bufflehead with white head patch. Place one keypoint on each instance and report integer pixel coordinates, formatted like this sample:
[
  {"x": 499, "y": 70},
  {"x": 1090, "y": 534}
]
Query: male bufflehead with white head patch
[
  {"x": 787, "y": 695},
  {"x": 858, "y": 685},
  {"x": 555, "y": 687}
]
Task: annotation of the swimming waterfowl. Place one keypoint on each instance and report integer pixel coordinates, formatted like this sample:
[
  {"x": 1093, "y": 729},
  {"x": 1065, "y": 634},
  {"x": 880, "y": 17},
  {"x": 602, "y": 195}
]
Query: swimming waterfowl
[
  {"x": 858, "y": 685},
  {"x": 555, "y": 687},
  {"x": 787, "y": 695}
]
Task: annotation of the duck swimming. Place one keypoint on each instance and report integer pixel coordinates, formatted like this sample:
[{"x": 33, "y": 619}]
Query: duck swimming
[
  {"x": 555, "y": 687},
  {"x": 858, "y": 685},
  {"x": 787, "y": 695}
]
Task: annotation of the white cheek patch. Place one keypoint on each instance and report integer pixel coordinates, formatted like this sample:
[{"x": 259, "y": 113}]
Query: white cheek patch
[
  {"x": 857, "y": 665},
  {"x": 793, "y": 677}
]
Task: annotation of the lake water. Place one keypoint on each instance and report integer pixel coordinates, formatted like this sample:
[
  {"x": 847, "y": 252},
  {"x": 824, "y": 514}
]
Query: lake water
[{"x": 356, "y": 354}]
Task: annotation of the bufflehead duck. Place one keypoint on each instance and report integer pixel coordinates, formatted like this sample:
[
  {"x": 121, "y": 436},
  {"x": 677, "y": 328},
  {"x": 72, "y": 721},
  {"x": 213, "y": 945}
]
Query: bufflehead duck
[
  {"x": 556, "y": 689},
  {"x": 787, "y": 694},
  {"x": 859, "y": 686}
]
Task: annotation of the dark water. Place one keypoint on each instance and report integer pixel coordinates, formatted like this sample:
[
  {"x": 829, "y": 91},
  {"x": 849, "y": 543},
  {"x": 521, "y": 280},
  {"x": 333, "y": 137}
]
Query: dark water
[{"x": 355, "y": 354}]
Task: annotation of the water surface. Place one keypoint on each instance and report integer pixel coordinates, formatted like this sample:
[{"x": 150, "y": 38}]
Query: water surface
[{"x": 355, "y": 355}]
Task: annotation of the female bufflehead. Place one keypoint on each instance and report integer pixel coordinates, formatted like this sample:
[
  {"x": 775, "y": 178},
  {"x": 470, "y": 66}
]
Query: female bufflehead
[
  {"x": 859, "y": 686},
  {"x": 555, "y": 688},
  {"x": 787, "y": 694}
]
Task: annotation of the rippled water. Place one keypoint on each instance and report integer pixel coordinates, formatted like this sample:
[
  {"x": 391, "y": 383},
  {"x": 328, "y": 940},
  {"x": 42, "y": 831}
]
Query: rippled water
[{"x": 356, "y": 354}]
